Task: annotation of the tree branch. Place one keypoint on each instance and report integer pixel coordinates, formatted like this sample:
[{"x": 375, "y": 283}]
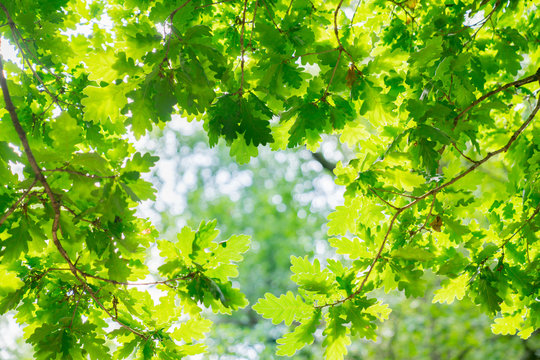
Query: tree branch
[
  {"x": 479, "y": 162},
  {"x": 272, "y": 18},
  {"x": 172, "y": 14},
  {"x": 325, "y": 94},
  {"x": 16, "y": 204},
  {"x": 383, "y": 200},
  {"x": 528, "y": 220},
  {"x": 517, "y": 83},
  {"x": 327, "y": 165},
  {"x": 242, "y": 50},
  {"x": 434, "y": 192},
  {"x": 373, "y": 262},
  {"x": 54, "y": 203},
  {"x": 16, "y": 35}
]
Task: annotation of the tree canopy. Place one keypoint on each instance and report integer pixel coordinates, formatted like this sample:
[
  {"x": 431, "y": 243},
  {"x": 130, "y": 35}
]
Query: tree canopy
[{"x": 435, "y": 100}]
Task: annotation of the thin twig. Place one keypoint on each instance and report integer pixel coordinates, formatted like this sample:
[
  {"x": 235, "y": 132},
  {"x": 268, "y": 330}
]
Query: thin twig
[
  {"x": 253, "y": 24},
  {"x": 16, "y": 35},
  {"x": 355, "y": 10},
  {"x": 399, "y": 194},
  {"x": 16, "y": 204},
  {"x": 479, "y": 162},
  {"x": 427, "y": 219},
  {"x": 272, "y": 18},
  {"x": 462, "y": 154},
  {"x": 289, "y": 8},
  {"x": 336, "y": 33},
  {"x": 483, "y": 22},
  {"x": 521, "y": 227},
  {"x": 383, "y": 200},
  {"x": 501, "y": 247},
  {"x": 325, "y": 94},
  {"x": 517, "y": 83},
  {"x": 373, "y": 262},
  {"x": 242, "y": 50},
  {"x": 401, "y": 5},
  {"x": 170, "y": 18},
  {"x": 74, "y": 312}
]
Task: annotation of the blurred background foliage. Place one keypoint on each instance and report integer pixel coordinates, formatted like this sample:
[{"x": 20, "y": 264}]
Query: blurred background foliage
[{"x": 282, "y": 199}]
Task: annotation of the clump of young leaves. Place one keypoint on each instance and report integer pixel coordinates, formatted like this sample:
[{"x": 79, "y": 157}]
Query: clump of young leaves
[{"x": 438, "y": 109}]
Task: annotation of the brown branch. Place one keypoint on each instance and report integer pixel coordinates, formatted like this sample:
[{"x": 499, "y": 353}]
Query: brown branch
[
  {"x": 170, "y": 18},
  {"x": 54, "y": 203},
  {"x": 16, "y": 204},
  {"x": 434, "y": 192},
  {"x": 383, "y": 200},
  {"x": 373, "y": 262},
  {"x": 401, "y": 5},
  {"x": 272, "y": 18},
  {"x": 355, "y": 10},
  {"x": 72, "y": 212},
  {"x": 22, "y": 136},
  {"x": 327, "y": 165},
  {"x": 517, "y": 83},
  {"x": 16, "y": 35},
  {"x": 501, "y": 247},
  {"x": 325, "y": 94},
  {"x": 74, "y": 312},
  {"x": 482, "y": 23},
  {"x": 479, "y": 162},
  {"x": 462, "y": 154},
  {"x": 336, "y": 32},
  {"x": 289, "y": 8},
  {"x": 253, "y": 25},
  {"x": 427, "y": 219},
  {"x": 242, "y": 50}
]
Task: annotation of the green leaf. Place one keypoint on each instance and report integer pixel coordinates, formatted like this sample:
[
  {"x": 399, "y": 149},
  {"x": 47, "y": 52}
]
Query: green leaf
[
  {"x": 192, "y": 329},
  {"x": 301, "y": 336},
  {"x": 452, "y": 289},
  {"x": 103, "y": 103},
  {"x": 412, "y": 253},
  {"x": 487, "y": 296},
  {"x": 336, "y": 337},
  {"x": 287, "y": 308},
  {"x": 430, "y": 53}
]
